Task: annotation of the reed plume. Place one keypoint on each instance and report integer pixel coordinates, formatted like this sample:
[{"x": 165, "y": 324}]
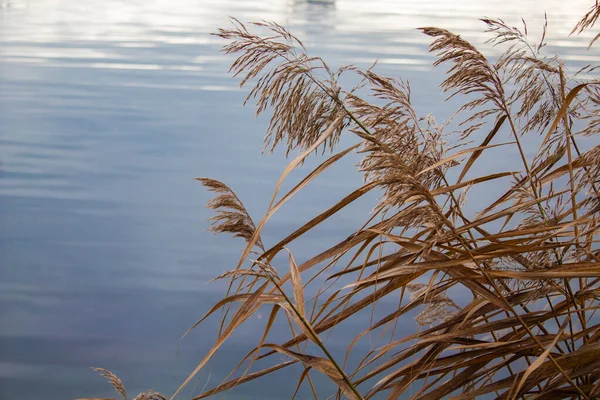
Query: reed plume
[{"x": 116, "y": 383}]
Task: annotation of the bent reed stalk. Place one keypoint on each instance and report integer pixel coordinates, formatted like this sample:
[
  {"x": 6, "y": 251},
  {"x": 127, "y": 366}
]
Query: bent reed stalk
[{"x": 527, "y": 264}]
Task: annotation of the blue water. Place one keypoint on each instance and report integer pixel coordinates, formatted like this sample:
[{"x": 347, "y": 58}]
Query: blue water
[{"x": 108, "y": 109}]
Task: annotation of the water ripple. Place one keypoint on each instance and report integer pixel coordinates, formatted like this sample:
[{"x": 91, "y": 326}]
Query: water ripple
[{"x": 109, "y": 109}]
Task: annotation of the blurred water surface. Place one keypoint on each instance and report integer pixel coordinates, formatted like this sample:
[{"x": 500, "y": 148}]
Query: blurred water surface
[{"x": 108, "y": 109}]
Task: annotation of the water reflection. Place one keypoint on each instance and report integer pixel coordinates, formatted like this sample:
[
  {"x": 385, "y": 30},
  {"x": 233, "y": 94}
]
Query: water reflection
[
  {"x": 108, "y": 110},
  {"x": 315, "y": 4},
  {"x": 311, "y": 20}
]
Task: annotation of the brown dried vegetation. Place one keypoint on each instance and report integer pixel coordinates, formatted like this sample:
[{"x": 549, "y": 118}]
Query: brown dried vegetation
[
  {"x": 527, "y": 264},
  {"x": 118, "y": 385}
]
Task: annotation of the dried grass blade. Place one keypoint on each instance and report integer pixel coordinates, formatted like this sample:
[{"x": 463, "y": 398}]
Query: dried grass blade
[
  {"x": 456, "y": 264},
  {"x": 524, "y": 232},
  {"x": 584, "y": 357},
  {"x": 451, "y": 188},
  {"x": 460, "y": 154},
  {"x": 300, "y": 158},
  {"x": 264, "y": 298},
  {"x": 246, "y": 378},
  {"x": 461, "y": 379},
  {"x": 515, "y": 390},
  {"x": 353, "y": 309},
  {"x": 255, "y": 351},
  {"x": 322, "y": 365},
  {"x": 316, "y": 221},
  {"x": 413, "y": 370},
  {"x": 585, "y": 270},
  {"x": 297, "y": 161},
  {"x": 507, "y": 211},
  {"x": 302, "y": 377},
  {"x": 564, "y": 108},
  {"x": 314, "y": 173},
  {"x": 562, "y": 170},
  {"x": 396, "y": 314},
  {"x": 485, "y": 142},
  {"x": 301, "y": 323},
  {"x": 297, "y": 286},
  {"x": 238, "y": 318}
]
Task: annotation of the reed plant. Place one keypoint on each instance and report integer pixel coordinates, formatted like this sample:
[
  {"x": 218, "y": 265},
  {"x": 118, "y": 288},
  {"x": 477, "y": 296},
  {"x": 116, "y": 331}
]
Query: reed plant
[{"x": 505, "y": 292}]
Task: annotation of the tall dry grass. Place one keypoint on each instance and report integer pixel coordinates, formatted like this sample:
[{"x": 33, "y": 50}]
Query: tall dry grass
[{"x": 527, "y": 264}]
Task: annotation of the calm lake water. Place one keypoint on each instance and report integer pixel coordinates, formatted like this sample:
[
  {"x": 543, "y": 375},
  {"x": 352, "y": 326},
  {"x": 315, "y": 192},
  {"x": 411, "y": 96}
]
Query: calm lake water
[{"x": 108, "y": 109}]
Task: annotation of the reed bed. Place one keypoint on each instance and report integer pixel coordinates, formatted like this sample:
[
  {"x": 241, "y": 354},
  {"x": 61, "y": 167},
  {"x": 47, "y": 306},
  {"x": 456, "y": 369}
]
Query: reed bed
[{"x": 526, "y": 264}]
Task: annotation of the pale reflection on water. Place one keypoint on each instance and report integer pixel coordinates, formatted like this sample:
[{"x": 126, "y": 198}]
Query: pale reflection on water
[{"x": 108, "y": 109}]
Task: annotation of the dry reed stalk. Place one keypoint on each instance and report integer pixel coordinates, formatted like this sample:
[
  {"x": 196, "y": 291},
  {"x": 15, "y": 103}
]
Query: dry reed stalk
[{"x": 527, "y": 263}]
